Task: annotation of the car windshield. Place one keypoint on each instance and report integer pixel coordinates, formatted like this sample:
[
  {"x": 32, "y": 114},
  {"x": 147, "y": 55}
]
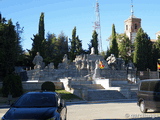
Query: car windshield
[{"x": 36, "y": 100}]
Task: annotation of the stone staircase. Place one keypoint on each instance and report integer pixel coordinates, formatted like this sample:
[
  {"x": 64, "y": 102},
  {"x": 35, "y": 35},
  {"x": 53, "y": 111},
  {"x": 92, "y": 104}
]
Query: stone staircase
[
  {"x": 133, "y": 88},
  {"x": 94, "y": 95},
  {"x": 133, "y": 94},
  {"x": 88, "y": 86},
  {"x": 97, "y": 92}
]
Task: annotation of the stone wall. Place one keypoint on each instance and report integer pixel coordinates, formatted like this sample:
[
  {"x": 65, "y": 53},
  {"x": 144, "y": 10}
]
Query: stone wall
[
  {"x": 114, "y": 74},
  {"x": 37, "y": 85},
  {"x": 148, "y": 74}
]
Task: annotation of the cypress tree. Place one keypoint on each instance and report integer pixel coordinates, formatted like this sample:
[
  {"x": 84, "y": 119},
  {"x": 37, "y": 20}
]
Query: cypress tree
[
  {"x": 124, "y": 46},
  {"x": 0, "y": 17},
  {"x": 142, "y": 53},
  {"x": 94, "y": 41},
  {"x": 41, "y": 31},
  {"x": 39, "y": 42},
  {"x": 9, "y": 54},
  {"x": 114, "y": 44},
  {"x": 79, "y": 49},
  {"x": 155, "y": 53},
  {"x": 73, "y": 45},
  {"x": 8, "y": 49}
]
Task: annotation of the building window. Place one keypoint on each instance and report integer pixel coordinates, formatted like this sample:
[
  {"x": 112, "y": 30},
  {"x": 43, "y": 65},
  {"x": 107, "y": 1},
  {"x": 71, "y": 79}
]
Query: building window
[
  {"x": 135, "y": 26},
  {"x": 126, "y": 27}
]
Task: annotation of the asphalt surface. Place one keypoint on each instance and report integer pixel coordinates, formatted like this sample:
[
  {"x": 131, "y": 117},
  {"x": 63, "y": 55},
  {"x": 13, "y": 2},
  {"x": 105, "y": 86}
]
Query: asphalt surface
[
  {"x": 109, "y": 111},
  {"x": 104, "y": 110}
]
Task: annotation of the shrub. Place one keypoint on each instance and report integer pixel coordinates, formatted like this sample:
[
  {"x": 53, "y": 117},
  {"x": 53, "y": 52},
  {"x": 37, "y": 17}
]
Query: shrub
[
  {"x": 12, "y": 85},
  {"x": 48, "y": 86}
]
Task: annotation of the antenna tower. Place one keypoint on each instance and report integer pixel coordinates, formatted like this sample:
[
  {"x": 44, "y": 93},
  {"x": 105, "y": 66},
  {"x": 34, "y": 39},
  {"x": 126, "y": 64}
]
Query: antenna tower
[
  {"x": 97, "y": 26},
  {"x": 132, "y": 11}
]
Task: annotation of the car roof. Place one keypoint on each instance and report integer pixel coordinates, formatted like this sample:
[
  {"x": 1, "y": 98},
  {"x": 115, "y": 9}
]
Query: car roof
[
  {"x": 149, "y": 80},
  {"x": 42, "y": 92}
]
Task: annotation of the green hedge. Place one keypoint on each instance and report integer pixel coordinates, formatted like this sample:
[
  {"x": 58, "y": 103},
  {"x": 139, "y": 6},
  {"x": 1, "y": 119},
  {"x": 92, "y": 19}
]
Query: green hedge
[
  {"x": 12, "y": 84},
  {"x": 48, "y": 86}
]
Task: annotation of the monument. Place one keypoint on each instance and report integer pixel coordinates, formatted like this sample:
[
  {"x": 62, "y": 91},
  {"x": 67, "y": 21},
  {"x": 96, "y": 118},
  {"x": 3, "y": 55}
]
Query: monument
[
  {"x": 87, "y": 70},
  {"x": 85, "y": 66},
  {"x": 38, "y": 61}
]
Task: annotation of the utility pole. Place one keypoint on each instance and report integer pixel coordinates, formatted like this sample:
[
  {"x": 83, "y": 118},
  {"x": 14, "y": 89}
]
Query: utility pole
[{"x": 97, "y": 26}]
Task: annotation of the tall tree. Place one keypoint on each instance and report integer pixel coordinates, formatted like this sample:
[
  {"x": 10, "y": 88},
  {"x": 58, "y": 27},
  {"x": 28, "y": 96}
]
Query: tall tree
[
  {"x": 94, "y": 41},
  {"x": 56, "y": 48},
  {"x": 37, "y": 45},
  {"x": 114, "y": 44},
  {"x": 73, "y": 45},
  {"x": 9, "y": 45},
  {"x": 41, "y": 30},
  {"x": 63, "y": 43},
  {"x": 155, "y": 53},
  {"x": 39, "y": 42},
  {"x": 51, "y": 50},
  {"x": 0, "y": 17},
  {"x": 124, "y": 46},
  {"x": 20, "y": 52},
  {"x": 79, "y": 49},
  {"x": 143, "y": 48},
  {"x": 19, "y": 31}
]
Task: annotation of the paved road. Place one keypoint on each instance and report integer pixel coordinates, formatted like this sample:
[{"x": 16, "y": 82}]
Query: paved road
[
  {"x": 108, "y": 111},
  {"x": 105, "y": 111},
  {"x": 2, "y": 111}
]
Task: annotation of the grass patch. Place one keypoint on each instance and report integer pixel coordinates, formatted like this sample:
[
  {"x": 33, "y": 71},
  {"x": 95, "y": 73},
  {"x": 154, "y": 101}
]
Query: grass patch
[{"x": 68, "y": 96}]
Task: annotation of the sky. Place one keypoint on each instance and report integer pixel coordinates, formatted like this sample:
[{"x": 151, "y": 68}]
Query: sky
[{"x": 64, "y": 15}]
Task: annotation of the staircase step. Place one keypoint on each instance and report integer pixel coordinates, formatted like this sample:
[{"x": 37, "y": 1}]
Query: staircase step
[
  {"x": 94, "y": 95},
  {"x": 133, "y": 94},
  {"x": 88, "y": 86}
]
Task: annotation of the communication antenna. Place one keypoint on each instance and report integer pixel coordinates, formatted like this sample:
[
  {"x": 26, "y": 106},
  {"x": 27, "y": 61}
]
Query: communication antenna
[
  {"x": 97, "y": 26},
  {"x": 132, "y": 11},
  {"x": 132, "y": 16}
]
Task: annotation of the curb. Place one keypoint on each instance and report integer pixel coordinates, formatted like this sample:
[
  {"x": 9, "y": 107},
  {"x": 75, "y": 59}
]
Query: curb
[
  {"x": 101, "y": 101},
  {"x": 4, "y": 106}
]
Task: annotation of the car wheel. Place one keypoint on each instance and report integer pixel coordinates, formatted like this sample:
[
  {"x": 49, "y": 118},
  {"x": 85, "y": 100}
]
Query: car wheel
[{"x": 142, "y": 107}]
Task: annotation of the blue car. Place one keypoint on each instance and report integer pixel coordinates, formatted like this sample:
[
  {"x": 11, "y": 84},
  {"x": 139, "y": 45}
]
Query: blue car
[{"x": 38, "y": 105}]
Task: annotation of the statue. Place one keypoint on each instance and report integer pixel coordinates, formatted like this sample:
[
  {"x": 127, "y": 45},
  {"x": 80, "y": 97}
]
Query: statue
[
  {"x": 78, "y": 64},
  {"x": 38, "y": 61},
  {"x": 97, "y": 64},
  {"x": 84, "y": 63},
  {"x": 96, "y": 70},
  {"x": 130, "y": 65},
  {"x": 65, "y": 59},
  {"x": 92, "y": 51},
  {"x": 51, "y": 66},
  {"x": 120, "y": 64},
  {"x": 64, "y": 64},
  {"x": 111, "y": 61}
]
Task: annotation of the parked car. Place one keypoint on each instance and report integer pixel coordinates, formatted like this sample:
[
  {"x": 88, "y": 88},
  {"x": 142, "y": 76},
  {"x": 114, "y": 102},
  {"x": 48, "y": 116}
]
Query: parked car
[
  {"x": 149, "y": 95},
  {"x": 38, "y": 105}
]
